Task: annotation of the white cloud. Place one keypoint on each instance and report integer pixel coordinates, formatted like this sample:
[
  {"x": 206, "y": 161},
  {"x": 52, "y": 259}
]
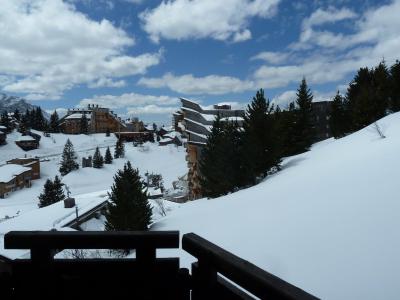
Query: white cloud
[
  {"x": 107, "y": 82},
  {"x": 129, "y": 100},
  {"x": 152, "y": 109},
  {"x": 61, "y": 111},
  {"x": 190, "y": 85},
  {"x": 284, "y": 99},
  {"x": 51, "y": 47},
  {"x": 329, "y": 57},
  {"x": 196, "y": 19},
  {"x": 271, "y": 57}
]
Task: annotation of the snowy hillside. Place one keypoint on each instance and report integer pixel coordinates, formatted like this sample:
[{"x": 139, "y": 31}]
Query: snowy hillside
[
  {"x": 328, "y": 222},
  {"x": 169, "y": 161}
]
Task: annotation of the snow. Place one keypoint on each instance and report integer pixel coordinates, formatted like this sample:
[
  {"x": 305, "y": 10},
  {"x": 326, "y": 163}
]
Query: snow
[
  {"x": 3, "y": 127},
  {"x": 9, "y": 171},
  {"x": 169, "y": 161},
  {"x": 327, "y": 223},
  {"x": 25, "y": 138},
  {"x": 78, "y": 116}
]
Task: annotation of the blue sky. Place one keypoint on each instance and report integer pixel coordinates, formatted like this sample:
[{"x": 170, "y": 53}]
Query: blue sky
[{"x": 138, "y": 56}]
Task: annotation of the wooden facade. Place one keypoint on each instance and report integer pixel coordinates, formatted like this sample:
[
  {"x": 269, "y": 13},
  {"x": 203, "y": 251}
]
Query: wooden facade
[
  {"x": 100, "y": 120},
  {"x": 33, "y": 163},
  {"x": 14, "y": 177}
]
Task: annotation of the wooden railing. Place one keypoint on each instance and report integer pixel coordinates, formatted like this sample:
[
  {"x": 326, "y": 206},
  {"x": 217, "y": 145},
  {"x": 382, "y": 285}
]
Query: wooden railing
[{"x": 144, "y": 277}]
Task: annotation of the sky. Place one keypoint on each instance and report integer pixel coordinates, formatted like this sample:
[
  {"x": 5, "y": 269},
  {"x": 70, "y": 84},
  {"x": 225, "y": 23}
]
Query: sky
[{"x": 138, "y": 57}]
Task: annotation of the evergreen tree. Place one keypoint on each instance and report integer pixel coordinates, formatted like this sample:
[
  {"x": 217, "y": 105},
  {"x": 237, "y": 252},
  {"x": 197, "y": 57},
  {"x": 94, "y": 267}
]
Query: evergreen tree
[
  {"x": 338, "y": 121},
  {"x": 17, "y": 114},
  {"x": 5, "y": 121},
  {"x": 395, "y": 87},
  {"x": 129, "y": 208},
  {"x": 68, "y": 160},
  {"x": 38, "y": 120},
  {"x": 119, "y": 151},
  {"x": 108, "y": 157},
  {"x": 304, "y": 125},
  {"x": 220, "y": 163},
  {"x": 98, "y": 160},
  {"x": 260, "y": 143},
  {"x": 54, "y": 120},
  {"x": 285, "y": 130},
  {"x": 83, "y": 124},
  {"x": 52, "y": 192},
  {"x": 58, "y": 189}
]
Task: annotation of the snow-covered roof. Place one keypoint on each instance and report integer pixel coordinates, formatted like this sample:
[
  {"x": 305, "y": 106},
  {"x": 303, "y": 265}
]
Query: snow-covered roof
[
  {"x": 208, "y": 127},
  {"x": 173, "y": 134},
  {"x": 149, "y": 127},
  {"x": 9, "y": 171},
  {"x": 46, "y": 218},
  {"x": 3, "y": 127},
  {"x": 25, "y": 138},
  {"x": 232, "y": 119},
  {"x": 78, "y": 116}
]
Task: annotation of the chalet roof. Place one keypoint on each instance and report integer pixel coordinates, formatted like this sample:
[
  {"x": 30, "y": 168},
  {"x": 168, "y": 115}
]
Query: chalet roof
[
  {"x": 23, "y": 138},
  {"x": 77, "y": 116},
  {"x": 9, "y": 171},
  {"x": 3, "y": 127}
]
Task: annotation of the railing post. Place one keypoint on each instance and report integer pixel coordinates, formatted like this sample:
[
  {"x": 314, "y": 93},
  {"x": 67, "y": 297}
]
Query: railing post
[{"x": 204, "y": 280}]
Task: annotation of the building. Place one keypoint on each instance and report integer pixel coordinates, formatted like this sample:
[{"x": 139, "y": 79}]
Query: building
[
  {"x": 29, "y": 162},
  {"x": 27, "y": 142},
  {"x": 100, "y": 120},
  {"x": 196, "y": 123},
  {"x": 13, "y": 177},
  {"x": 171, "y": 138},
  {"x": 134, "y": 125},
  {"x": 177, "y": 118},
  {"x": 139, "y": 137},
  {"x": 322, "y": 111}
]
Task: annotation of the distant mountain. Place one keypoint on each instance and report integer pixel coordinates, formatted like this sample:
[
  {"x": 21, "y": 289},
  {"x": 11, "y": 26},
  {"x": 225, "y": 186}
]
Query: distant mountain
[{"x": 10, "y": 103}]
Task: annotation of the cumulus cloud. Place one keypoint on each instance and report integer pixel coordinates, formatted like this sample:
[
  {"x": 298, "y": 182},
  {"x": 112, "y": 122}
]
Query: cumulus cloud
[
  {"x": 271, "y": 57},
  {"x": 51, "y": 47},
  {"x": 152, "y": 109},
  {"x": 324, "y": 56},
  {"x": 196, "y": 19},
  {"x": 190, "y": 85},
  {"x": 129, "y": 100}
]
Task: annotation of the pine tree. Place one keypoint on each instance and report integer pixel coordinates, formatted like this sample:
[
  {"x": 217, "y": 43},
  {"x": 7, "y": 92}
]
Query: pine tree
[
  {"x": 304, "y": 133},
  {"x": 260, "y": 143},
  {"x": 4, "y": 120},
  {"x": 17, "y": 114},
  {"x": 53, "y": 126},
  {"x": 108, "y": 157},
  {"x": 98, "y": 160},
  {"x": 338, "y": 121},
  {"x": 39, "y": 122},
  {"x": 84, "y": 125},
  {"x": 285, "y": 130},
  {"x": 52, "y": 192},
  {"x": 129, "y": 208},
  {"x": 220, "y": 165},
  {"x": 119, "y": 151},
  {"x": 68, "y": 162},
  {"x": 395, "y": 87},
  {"x": 58, "y": 189}
]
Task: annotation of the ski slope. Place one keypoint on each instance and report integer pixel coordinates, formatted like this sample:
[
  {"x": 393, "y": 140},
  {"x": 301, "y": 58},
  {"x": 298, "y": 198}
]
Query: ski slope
[{"x": 329, "y": 222}]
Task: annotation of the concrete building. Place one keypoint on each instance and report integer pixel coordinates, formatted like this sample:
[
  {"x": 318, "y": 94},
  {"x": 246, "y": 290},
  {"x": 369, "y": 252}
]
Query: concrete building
[{"x": 196, "y": 124}]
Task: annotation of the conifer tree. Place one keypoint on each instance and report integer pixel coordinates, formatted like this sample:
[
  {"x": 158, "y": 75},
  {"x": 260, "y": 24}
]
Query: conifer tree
[
  {"x": 52, "y": 192},
  {"x": 119, "y": 151},
  {"x": 304, "y": 133},
  {"x": 17, "y": 114},
  {"x": 4, "y": 121},
  {"x": 108, "y": 157},
  {"x": 129, "y": 208},
  {"x": 98, "y": 160},
  {"x": 338, "y": 121},
  {"x": 260, "y": 143},
  {"x": 53, "y": 126},
  {"x": 83, "y": 124},
  {"x": 68, "y": 160},
  {"x": 395, "y": 87},
  {"x": 285, "y": 130}
]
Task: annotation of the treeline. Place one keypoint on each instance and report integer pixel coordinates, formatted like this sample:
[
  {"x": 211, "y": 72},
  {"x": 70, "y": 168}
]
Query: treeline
[
  {"x": 238, "y": 156},
  {"x": 371, "y": 95}
]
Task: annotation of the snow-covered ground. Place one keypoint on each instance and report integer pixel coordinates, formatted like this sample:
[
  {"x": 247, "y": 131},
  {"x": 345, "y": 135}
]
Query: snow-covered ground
[
  {"x": 169, "y": 161},
  {"x": 329, "y": 222}
]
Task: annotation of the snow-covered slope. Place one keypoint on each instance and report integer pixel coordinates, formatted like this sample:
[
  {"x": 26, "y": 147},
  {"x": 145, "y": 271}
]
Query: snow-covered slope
[
  {"x": 329, "y": 222},
  {"x": 169, "y": 161}
]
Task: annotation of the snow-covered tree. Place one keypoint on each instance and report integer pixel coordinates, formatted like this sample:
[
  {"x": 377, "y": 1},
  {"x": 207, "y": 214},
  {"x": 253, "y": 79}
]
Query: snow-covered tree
[
  {"x": 68, "y": 160},
  {"x": 119, "y": 151}
]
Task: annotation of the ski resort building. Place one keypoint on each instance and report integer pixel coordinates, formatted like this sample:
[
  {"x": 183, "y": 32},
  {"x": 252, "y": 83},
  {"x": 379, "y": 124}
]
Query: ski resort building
[
  {"x": 100, "y": 120},
  {"x": 196, "y": 123}
]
